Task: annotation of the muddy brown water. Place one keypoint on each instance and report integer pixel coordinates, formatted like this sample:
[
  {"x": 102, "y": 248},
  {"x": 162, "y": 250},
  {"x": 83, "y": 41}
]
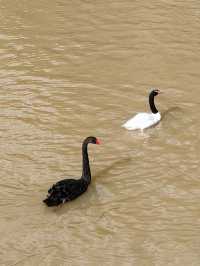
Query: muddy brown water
[{"x": 70, "y": 69}]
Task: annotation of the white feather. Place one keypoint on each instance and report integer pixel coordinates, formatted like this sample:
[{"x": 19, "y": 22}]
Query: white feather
[{"x": 142, "y": 121}]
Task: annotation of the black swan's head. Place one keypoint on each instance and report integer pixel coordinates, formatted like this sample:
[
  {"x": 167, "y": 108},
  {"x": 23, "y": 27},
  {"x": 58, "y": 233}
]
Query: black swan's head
[
  {"x": 155, "y": 92},
  {"x": 92, "y": 140}
]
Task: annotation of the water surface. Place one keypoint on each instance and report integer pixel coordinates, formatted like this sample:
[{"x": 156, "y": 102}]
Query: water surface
[{"x": 73, "y": 69}]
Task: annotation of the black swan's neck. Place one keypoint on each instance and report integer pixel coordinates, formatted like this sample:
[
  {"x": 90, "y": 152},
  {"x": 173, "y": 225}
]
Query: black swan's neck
[
  {"x": 86, "y": 174},
  {"x": 151, "y": 103}
]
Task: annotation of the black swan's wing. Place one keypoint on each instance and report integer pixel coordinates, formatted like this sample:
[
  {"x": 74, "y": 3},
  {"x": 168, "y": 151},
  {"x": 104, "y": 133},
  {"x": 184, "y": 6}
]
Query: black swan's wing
[{"x": 65, "y": 190}]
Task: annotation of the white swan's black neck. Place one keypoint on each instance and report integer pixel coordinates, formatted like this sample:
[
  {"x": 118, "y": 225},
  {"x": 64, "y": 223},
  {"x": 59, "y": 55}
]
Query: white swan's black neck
[
  {"x": 86, "y": 174},
  {"x": 151, "y": 103}
]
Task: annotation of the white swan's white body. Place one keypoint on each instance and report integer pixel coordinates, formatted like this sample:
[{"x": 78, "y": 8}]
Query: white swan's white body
[
  {"x": 145, "y": 120},
  {"x": 142, "y": 121}
]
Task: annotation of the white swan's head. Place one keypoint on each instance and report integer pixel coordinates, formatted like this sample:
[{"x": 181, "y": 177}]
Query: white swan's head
[{"x": 155, "y": 92}]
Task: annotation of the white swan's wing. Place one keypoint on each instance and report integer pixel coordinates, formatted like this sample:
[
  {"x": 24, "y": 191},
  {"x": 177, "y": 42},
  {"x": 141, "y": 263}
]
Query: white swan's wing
[
  {"x": 136, "y": 122},
  {"x": 142, "y": 121}
]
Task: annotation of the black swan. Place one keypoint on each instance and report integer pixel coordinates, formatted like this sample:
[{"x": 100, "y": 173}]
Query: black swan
[
  {"x": 69, "y": 189},
  {"x": 145, "y": 120}
]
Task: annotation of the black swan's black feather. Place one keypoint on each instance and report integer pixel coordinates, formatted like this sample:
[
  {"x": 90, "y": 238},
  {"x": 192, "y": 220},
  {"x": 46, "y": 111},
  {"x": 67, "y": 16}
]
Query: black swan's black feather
[{"x": 65, "y": 190}]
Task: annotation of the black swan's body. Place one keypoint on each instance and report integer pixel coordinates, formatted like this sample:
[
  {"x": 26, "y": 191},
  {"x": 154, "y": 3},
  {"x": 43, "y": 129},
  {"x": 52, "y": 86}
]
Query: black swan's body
[{"x": 69, "y": 189}]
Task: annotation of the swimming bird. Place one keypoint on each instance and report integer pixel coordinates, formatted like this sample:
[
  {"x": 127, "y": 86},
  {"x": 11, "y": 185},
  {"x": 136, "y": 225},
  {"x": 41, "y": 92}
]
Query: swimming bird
[
  {"x": 145, "y": 120},
  {"x": 69, "y": 189}
]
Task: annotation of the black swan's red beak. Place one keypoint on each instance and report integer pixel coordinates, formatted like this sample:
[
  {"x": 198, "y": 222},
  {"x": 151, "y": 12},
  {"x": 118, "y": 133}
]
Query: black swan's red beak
[{"x": 98, "y": 141}]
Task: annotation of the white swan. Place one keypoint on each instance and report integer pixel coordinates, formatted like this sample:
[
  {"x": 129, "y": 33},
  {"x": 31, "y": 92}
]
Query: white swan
[{"x": 145, "y": 120}]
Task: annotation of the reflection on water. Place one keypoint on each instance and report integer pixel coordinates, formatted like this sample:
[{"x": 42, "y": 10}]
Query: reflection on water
[
  {"x": 73, "y": 70},
  {"x": 170, "y": 111}
]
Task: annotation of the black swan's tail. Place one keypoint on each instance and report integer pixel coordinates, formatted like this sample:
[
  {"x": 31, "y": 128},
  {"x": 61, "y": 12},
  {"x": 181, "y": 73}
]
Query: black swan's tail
[
  {"x": 53, "y": 199},
  {"x": 49, "y": 202}
]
